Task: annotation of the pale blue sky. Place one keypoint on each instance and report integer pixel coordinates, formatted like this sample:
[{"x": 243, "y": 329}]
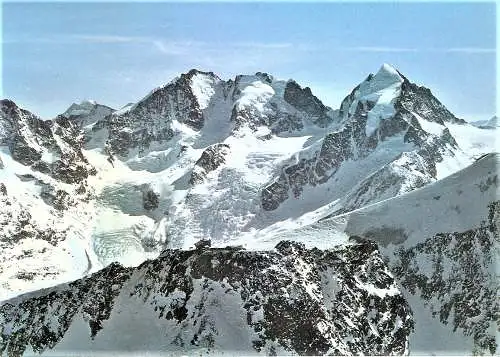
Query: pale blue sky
[{"x": 115, "y": 53}]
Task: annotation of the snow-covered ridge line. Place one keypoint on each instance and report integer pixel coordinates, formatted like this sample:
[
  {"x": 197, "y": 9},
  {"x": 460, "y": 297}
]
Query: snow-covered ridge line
[
  {"x": 488, "y": 161},
  {"x": 487, "y": 124}
]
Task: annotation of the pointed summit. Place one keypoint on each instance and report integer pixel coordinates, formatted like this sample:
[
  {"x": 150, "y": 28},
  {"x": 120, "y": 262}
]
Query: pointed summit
[
  {"x": 86, "y": 112},
  {"x": 194, "y": 71},
  {"x": 88, "y": 102},
  {"x": 378, "y": 92},
  {"x": 387, "y": 76},
  {"x": 487, "y": 124},
  {"x": 387, "y": 70},
  {"x": 493, "y": 122},
  {"x": 85, "y": 107}
]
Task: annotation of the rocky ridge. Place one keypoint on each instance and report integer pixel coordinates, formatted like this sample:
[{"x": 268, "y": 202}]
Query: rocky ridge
[
  {"x": 291, "y": 300},
  {"x": 52, "y": 147}
]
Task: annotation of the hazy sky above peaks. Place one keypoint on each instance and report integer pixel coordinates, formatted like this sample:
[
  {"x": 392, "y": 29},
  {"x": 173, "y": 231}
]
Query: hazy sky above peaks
[{"x": 57, "y": 53}]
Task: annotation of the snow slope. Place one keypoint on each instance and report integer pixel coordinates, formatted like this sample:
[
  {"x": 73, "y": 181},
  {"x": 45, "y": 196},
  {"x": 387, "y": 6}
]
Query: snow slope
[{"x": 45, "y": 202}]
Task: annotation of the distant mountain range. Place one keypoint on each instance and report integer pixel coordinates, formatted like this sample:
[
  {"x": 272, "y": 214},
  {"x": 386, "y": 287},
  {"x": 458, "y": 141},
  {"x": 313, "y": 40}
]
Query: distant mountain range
[
  {"x": 371, "y": 228},
  {"x": 491, "y": 123}
]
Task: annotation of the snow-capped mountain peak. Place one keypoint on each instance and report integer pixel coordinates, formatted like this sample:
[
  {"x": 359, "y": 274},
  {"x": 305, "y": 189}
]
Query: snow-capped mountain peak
[
  {"x": 487, "y": 124},
  {"x": 82, "y": 108},
  {"x": 386, "y": 76},
  {"x": 377, "y": 94},
  {"x": 387, "y": 69},
  {"x": 493, "y": 122},
  {"x": 86, "y": 113},
  {"x": 379, "y": 91}
]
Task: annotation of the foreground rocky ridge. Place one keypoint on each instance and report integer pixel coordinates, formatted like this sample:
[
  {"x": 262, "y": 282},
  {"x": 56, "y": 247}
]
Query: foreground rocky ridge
[{"x": 291, "y": 300}]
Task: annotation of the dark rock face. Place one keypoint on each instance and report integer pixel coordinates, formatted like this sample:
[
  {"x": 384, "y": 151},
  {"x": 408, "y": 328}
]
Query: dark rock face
[
  {"x": 29, "y": 137},
  {"x": 280, "y": 121},
  {"x": 148, "y": 124},
  {"x": 249, "y": 117},
  {"x": 421, "y": 100},
  {"x": 57, "y": 198},
  {"x": 265, "y": 77},
  {"x": 150, "y": 200},
  {"x": 16, "y": 223},
  {"x": 454, "y": 274},
  {"x": 304, "y": 100},
  {"x": 406, "y": 173},
  {"x": 335, "y": 149},
  {"x": 313, "y": 302},
  {"x": 282, "y": 115},
  {"x": 211, "y": 159},
  {"x": 274, "y": 194},
  {"x": 346, "y": 103},
  {"x": 149, "y": 121}
]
